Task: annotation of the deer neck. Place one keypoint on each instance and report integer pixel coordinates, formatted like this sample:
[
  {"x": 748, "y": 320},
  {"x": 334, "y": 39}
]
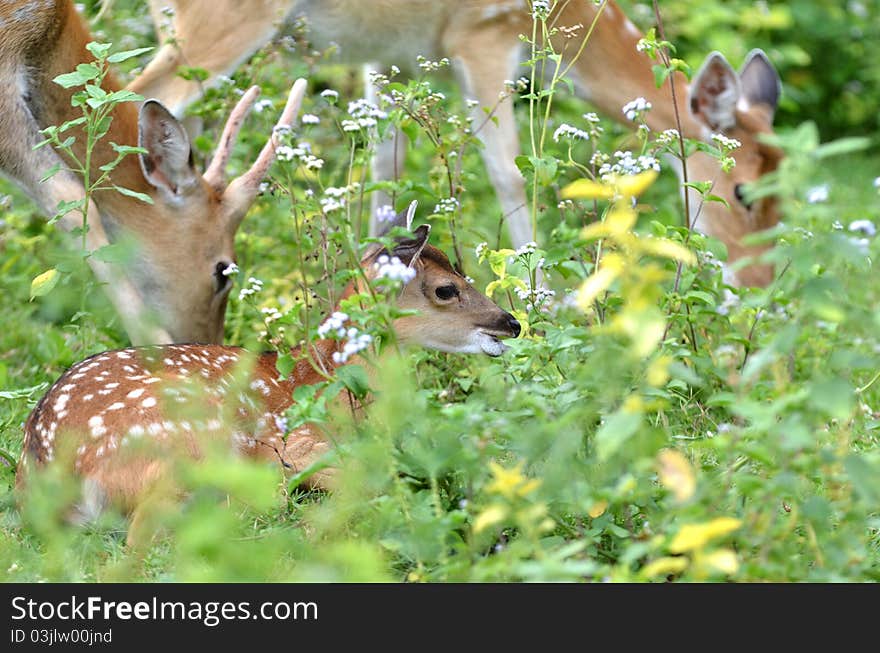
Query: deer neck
[{"x": 51, "y": 106}]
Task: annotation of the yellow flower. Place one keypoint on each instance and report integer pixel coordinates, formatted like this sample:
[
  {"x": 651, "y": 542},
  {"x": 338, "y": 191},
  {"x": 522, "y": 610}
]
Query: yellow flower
[
  {"x": 695, "y": 536},
  {"x": 622, "y": 186},
  {"x": 511, "y": 483},
  {"x": 598, "y": 508},
  {"x": 664, "y": 566},
  {"x": 722, "y": 561},
  {"x": 676, "y": 474},
  {"x": 489, "y": 517}
]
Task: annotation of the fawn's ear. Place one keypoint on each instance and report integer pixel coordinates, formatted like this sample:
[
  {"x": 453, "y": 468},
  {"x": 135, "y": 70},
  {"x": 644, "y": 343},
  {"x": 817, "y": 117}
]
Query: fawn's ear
[
  {"x": 714, "y": 93},
  {"x": 760, "y": 81},
  {"x": 409, "y": 249},
  {"x": 167, "y": 163}
]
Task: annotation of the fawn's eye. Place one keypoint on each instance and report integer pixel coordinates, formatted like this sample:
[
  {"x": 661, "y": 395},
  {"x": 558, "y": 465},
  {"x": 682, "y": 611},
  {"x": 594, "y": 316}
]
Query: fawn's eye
[
  {"x": 222, "y": 271},
  {"x": 446, "y": 292},
  {"x": 740, "y": 196}
]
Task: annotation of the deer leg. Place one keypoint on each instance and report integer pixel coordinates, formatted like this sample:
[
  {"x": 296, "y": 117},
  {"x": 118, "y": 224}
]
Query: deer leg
[{"x": 482, "y": 78}]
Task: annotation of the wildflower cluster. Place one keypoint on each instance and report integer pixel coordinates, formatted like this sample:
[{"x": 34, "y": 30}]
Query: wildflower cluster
[
  {"x": 431, "y": 66},
  {"x": 334, "y": 198},
  {"x": 333, "y": 324},
  {"x": 628, "y": 164},
  {"x": 726, "y": 145},
  {"x": 446, "y": 205},
  {"x": 569, "y": 132},
  {"x": 230, "y": 270},
  {"x": 364, "y": 115},
  {"x": 540, "y": 9},
  {"x": 393, "y": 269},
  {"x": 254, "y": 286},
  {"x": 633, "y": 110},
  {"x": 385, "y": 213},
  {"x": 534, "y": 298},
  {"x": 357, "y": 341},
  {"x": 302, "y": 152}
]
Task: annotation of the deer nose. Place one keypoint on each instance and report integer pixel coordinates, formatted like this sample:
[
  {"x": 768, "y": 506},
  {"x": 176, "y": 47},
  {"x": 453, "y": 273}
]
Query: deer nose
[{"x": 513, "y": 325}]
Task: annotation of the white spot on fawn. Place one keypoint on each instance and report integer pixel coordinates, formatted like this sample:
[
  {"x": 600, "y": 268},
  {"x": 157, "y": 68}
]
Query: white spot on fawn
[
  {"x": 116, "y": 406},
  {"x": 134, "y": 394},
  {"x": 149, "y": 402}
]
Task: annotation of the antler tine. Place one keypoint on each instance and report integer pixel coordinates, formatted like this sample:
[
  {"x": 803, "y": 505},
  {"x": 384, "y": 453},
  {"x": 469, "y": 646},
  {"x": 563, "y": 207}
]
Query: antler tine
[
  {"x": 246, "y": 187},
  {"x": 216, "y": 172}
]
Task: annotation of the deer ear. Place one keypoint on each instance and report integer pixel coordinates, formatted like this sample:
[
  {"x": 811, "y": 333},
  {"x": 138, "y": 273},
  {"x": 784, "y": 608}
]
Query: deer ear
[
  {"x": 760, "y": 81},
  {"x": 403, "y": 219},
  {"x": 167, "y": 163},
  {"x": 409, "y": 249},
  {"x": 714, "y": 93}
]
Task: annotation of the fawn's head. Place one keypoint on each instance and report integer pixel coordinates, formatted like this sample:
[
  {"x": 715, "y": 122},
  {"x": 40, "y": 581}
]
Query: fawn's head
[
  {"x": 453, "y": 316},
  {"x": 182, "y": 271},
  {"x": 739, "y": 106}
]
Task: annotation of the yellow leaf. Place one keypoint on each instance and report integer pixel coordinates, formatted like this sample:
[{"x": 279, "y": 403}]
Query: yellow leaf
[
  {"x": 722, "y": 561},
  {"x": 596, "y": 284},
  {"x": 43, "y": 283},
  {"x": 696, "y": 536},
  {"x": 664, "y": 566},
  {"x": 587, "y": 189},
  {"x": 635, "y": 185},
  {"x": 598, "y": 508},
  {"x": 489, "y": 517},
  {"x": 620, "y": 220},
  {"x": 657, "y": 373},
  {"x": 595, "y": 230},
  {"x": 676, "y": 474},
  {"x": 668, "y": 249}
]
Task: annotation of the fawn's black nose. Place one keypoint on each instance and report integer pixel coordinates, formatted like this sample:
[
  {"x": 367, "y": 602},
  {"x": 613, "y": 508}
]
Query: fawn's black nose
[{"x": 513, "y": 324}]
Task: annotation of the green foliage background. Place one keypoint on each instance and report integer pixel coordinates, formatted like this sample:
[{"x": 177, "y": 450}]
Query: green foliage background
[{"x": 768, "y": 395}]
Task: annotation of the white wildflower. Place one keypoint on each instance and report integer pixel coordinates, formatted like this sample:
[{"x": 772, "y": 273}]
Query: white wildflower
[
  {"x": 333, "y": 324},
  {"x": 254, "y": 286},
  {"x": 230, "y": 270},
  {"x": 262, "y": 104},
  {"x": 393, "y": 269},
  {"x": 865, "y": 227},
  {"x": 446, "y": 205},
  {"x": 724, "y": 143},
  {"x": 310, "y": 119},
  {"x": 528, "y": 248},
  {"x": 634, "y": 109},
  {"x": 330, "y": 95},
  {"x": 817, "y": 194},
  {"x": 570, "y": 132},
  {"x": 385, "y": 213}
]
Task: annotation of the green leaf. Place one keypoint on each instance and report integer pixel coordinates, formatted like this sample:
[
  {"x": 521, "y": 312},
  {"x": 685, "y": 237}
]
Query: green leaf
[
  {"x": 43, "y": 283},
  {"x": 285, "y": 364},
  {"x": 834, "y": 397},
  {"x": 865, "y": 477},
  {"x": 51, "y": 172},
  {"x": 354, "y": 378},
  {"x": 616, "y": 430},
  {"x": 146, "y": 199},
  {"x": 545, "y": 169},
  {"x": 118, "y": 57},
  {"x": 65, "y": 207},
  {"x": 99, "y": 50}
]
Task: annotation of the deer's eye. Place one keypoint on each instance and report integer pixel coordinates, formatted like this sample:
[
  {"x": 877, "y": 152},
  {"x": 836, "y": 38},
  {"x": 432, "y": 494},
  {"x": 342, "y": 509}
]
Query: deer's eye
[
  {"x": 222, "y": 273},
  {"x": 741, "y": 196},
  {"x": 446, "y": 292}
]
